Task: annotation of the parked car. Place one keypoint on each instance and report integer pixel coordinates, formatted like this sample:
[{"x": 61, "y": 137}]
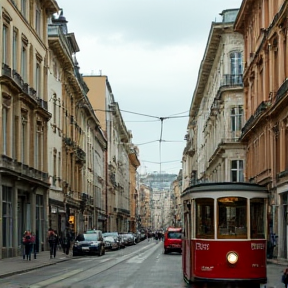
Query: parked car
[
  {"x": 111, "y": 243},
  {"x": 114, "y": 234},
  {"x": 89, "y": 244},
  {"x": 129, "y": 238},
  {"x": 123, "y": 240}
]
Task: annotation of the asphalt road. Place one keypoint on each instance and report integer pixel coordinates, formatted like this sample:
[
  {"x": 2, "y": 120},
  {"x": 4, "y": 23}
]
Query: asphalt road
[{"x": 143, "y": 265}]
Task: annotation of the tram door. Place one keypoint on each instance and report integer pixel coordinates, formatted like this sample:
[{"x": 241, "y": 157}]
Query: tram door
[{"x": 186, "y": 246}]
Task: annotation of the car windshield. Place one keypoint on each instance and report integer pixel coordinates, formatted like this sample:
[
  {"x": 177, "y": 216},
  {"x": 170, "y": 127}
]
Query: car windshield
[
  {"x": 109, "y": 238},
  {"x": 110, "y": 234},
  {"x": 91, "y": 237}
]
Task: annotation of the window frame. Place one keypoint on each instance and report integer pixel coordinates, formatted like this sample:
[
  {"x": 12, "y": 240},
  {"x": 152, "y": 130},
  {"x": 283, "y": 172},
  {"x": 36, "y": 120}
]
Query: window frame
[
  {"x": 206, "y": 223},
  {"x": 239, "y": 171}
]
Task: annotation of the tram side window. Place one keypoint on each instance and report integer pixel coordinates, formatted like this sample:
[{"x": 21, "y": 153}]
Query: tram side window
[
  {"x": 205, "y": 218},
  {"x": 257, "y": 218},
  {"x": 232, "y": 217}
]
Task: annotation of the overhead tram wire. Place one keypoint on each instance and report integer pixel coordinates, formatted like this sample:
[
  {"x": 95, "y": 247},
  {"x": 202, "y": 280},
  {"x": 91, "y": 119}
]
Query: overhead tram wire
[{"x": 161, "y": 131}]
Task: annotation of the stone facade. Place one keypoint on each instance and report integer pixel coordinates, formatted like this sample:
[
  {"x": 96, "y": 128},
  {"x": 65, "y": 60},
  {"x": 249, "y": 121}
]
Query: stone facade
[
  {"x": 24, "y": 122},
  {"x": 264, "y": 27},
  {"x": 213, "y": 152}
]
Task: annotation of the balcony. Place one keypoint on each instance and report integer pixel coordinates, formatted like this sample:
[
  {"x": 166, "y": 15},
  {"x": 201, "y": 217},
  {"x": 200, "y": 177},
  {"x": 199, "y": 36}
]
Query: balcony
[
  {"x": 282, "y": 91},
  {"x": 232, "y": 80},
  {"x": 80, "y": 155},
  {"x": 253, "y": 118},
  {"x": 22, "y": 170},
  {"x": 59, "y": 43}
]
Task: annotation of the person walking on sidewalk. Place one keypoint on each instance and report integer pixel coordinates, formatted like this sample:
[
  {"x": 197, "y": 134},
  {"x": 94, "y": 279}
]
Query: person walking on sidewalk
[
  {"x": 52, "y": 239},
  {"x": 285, "y": 277},
  {"x": 28, "y": 241}
]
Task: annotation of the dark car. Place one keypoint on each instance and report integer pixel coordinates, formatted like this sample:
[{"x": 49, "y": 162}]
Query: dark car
[{"x": 89, "y": 244}]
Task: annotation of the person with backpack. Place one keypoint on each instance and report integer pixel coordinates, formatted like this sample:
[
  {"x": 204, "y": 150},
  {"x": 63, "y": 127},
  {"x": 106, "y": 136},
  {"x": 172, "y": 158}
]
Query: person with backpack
[{"x": 52, "y": 239}]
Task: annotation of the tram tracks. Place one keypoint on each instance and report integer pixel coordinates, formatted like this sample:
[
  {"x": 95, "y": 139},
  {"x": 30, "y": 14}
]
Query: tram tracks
[{"x": 83, "y": 274}]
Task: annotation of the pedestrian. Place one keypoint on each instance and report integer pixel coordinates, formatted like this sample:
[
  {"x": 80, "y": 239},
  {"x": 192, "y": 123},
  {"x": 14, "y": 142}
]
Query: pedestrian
[
  {"x": 27, "y": 241},
  {"x": 67, "y": 240},
  {"x": 285, "y": 277},
  {"x": 52, "y": 239}
]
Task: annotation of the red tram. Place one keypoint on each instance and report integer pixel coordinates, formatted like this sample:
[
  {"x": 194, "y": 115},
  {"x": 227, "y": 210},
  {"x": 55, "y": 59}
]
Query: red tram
[{"x": 225, "y": 233}]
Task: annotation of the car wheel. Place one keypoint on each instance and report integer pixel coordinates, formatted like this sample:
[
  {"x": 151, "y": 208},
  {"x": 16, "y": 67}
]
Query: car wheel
[
  {"x": 74, "y": 254},
  {"x": 165, "y": 251}
]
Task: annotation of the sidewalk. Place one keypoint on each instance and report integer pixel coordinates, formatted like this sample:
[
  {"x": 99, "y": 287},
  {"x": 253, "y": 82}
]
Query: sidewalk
[
  {"x": 278, "y": 261},
  {"x": 15, "y": 265}
]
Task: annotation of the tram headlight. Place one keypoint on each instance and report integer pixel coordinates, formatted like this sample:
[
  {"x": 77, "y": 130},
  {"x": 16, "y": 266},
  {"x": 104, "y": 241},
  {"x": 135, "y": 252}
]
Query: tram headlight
[{"x": 232, "y": 257}]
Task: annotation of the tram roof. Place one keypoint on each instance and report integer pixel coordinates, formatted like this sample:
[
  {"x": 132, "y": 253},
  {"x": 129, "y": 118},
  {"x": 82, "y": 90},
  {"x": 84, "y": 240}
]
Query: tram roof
[{"x": 225, "y": 186}]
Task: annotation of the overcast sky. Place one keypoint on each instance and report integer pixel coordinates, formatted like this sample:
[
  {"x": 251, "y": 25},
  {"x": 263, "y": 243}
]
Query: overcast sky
[{"x": 150, "y": 50}]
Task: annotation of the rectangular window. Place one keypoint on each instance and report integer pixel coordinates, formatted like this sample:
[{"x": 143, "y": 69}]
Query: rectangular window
[
  {"x": 15, "y": 42},
  {"x": 38, "y": 79},
  {"x": 236, "y": 118},
  {"x": 24, "y": 8},
  {"x": 5, "y": 44},
  {"x": 236, "y": 63},
  {"x": 24, "y": 63},
  {"x": 232, "y": 217},
  {"x": 237, "y": 171},
  {"x": 205, "y": 218},
  {"x": 7, "y": 224},
  {"x": 257, "y": 218},
  {"x": 37, "y": 20},
  {"x": 37, "y": 148},
  {"x": 23, "y": 138},
  {"x": 4, "y": 129}
]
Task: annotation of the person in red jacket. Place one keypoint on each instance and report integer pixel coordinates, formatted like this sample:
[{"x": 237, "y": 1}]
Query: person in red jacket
[{"x": 28, "y": 241}]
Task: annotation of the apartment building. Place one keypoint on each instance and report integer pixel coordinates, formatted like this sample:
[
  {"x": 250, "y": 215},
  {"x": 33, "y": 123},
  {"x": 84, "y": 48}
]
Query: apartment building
[
  {"x": 122, "y": 155},
  {"x": 145, "y": 206},
  {"x": 24, "y": 117},
  {"x": 213, "y": 152},
  {"x": 263, "y": 24},
  {"x": 78, "y": 146}
]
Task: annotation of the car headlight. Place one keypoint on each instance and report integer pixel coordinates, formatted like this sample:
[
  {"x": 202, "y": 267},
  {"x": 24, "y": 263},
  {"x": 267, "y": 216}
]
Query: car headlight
[{"x": 232, "y": 257}]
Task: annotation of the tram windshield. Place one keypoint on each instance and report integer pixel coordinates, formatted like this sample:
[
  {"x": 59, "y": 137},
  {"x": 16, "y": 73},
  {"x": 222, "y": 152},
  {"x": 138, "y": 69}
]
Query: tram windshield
[{"x": 232, "y": 217}]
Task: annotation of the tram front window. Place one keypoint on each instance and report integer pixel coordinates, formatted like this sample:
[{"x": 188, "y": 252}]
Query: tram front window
[
  {"x": 257, "y": 218},
  {"x": 205, "y": 218},
  {"x": 232, "y": 217}
]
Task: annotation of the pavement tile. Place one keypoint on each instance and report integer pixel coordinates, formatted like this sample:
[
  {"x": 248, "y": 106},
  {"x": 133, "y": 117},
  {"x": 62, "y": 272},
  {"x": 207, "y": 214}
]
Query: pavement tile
[{"x": 16, "y": 265}]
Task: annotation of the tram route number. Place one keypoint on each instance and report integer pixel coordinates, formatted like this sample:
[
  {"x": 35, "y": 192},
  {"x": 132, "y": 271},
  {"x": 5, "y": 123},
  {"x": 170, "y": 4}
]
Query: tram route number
[
  {"x": 202, "y": 246},
  {"x": 257, "y": 246}
]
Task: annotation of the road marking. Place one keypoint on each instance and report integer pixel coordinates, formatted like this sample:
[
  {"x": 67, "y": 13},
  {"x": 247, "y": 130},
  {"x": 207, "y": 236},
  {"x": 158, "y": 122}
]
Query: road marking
[
  {"x": 142, "y": 256},
  {"x": 55, "y": 279}
]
